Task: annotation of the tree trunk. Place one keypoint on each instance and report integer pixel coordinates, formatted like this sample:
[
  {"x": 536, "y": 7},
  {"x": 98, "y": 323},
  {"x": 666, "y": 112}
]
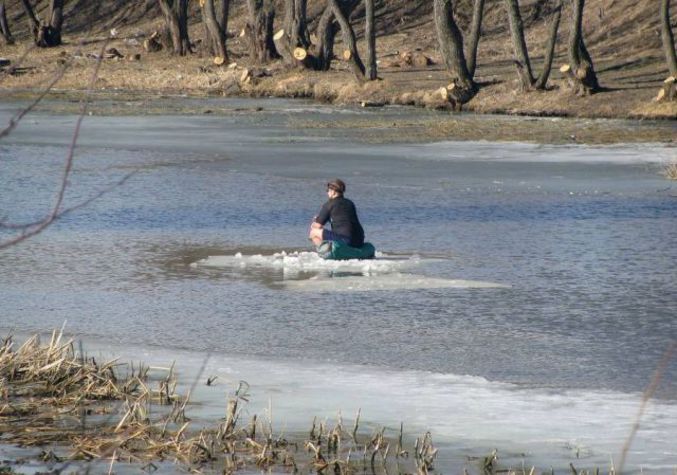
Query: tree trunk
[
  {"x": 56, "y": 20},
  {"x": 326, "y": 34},
  {"x": 182, "y": 13},
  {"x": 463, "y": 88},
  {"x": 46, "y": 34},
  {"x": 520, "y": 45},
  {"x": 475, "y": 32},
  {"x": 222, "y": 15},
  {"x": 176, "y": 21},
  {"x": 299, "y": 31},
  {"x": 33, "y": 23},
  {"x": 4, "y": 26},
  {"x": 549, "y": 49},
  {"x": 370, "y": 34},
  {"x": 296, "y": 29},
  {"x": 582, "y": 72},
  {"x": 668, "y": 38},
  {"x": 348, "y": 34},
  {"x": 260, "y": 31},
  {"x": 217, "y": 37}
]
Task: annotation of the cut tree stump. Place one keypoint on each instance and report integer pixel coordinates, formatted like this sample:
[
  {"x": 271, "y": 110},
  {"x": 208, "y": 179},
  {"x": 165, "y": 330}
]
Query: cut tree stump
[
  {"x": 346, "y": 55},
  {"x": 113, "y": 53},
  {"x": 219, "y": 60},
  {"x": 152, "y": 44},
  {"x": 279, "y": 35},
  {"x": 575, "y": 80},
  {"x": 300, "y": 54},
  {"x": 669, "y": 90}
]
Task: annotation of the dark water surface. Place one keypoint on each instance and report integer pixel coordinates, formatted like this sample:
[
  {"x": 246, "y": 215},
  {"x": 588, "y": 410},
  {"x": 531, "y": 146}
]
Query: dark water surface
[{"x": 585, "y": 236}]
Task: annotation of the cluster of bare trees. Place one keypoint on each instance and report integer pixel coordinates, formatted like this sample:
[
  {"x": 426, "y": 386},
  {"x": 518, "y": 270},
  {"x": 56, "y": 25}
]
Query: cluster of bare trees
[{"x": 297, "y": 47}]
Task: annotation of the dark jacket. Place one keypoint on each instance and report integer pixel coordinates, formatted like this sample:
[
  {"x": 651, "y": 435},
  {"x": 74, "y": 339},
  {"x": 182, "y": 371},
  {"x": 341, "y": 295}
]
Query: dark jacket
[{"x": 344, "y": 222}]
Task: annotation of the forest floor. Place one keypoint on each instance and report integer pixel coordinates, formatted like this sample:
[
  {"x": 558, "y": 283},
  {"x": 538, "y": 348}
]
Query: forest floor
[{"x": 623, "y": 37}]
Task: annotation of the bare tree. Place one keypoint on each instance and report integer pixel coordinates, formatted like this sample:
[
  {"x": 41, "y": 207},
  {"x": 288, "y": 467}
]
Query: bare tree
[
  {"x": 296, "y": 35},
  {"x": 580, "y": 70},
  {"x": 669, "y": 90},
  {"x": 348, "y": 34},
  {"x": 475, "y": 32},
  {"x": 259, "y": 30},
  {"x": 668, "y": 38},
  {"x": 216, "y": 39},
  {"x": 4, "y": 26},
  {"x": 463, "y": 88},
  {"x": 370, "y": 34},
  {"x": 176, "y": 20},
  {"x": 46, "y": 33},
  {"x": 522, "y": 62},
  {"x": 326, "y": 31},
  {"x": 296, "y": 24}
]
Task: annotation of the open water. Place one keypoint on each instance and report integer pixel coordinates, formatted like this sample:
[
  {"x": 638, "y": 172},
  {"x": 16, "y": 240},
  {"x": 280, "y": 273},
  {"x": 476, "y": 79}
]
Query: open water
[{"x": 523, "y": 296}]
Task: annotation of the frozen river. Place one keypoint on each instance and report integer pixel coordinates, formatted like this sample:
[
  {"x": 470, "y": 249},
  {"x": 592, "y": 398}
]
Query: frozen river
[{"x": 523, "y": 297}]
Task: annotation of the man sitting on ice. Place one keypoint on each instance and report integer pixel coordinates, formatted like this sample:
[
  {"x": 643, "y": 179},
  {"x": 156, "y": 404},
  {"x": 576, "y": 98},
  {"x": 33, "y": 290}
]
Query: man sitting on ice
[{"x": 345, "y": 226}]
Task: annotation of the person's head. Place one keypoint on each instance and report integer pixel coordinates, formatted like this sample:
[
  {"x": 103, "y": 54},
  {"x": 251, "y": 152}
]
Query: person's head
[{"x": 336, "y": 187}]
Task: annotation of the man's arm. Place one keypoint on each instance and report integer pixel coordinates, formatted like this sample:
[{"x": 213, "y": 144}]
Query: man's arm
[{"x": 322, "y": 217}]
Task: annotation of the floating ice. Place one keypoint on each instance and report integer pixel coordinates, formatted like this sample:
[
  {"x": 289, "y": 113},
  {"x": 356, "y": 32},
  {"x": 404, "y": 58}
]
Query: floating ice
[
  {"x": 382, "y": 273},
  {"x": 311, "y": 261}
]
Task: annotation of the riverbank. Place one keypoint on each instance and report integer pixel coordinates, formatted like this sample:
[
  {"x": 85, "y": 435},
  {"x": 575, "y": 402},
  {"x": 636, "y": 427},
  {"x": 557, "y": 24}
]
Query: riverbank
[
  {"x": 621, "y": 37},
  {"x": 194, "y": 76}
]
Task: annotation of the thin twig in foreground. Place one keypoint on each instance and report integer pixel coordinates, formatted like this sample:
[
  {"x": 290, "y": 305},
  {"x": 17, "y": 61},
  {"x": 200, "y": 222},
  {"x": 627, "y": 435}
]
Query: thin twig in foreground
[
  {"x": 648, "y": 394},
  {"x": 68, "y": 165}
]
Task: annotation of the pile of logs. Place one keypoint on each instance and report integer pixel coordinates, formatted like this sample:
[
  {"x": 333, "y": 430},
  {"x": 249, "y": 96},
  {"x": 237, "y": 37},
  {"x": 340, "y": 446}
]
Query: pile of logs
[
  {"x": 406, "y": 59},
  {"x": 250, "y": 75}
]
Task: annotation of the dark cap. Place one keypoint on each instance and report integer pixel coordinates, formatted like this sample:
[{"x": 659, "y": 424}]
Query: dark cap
[{"x": 337, "y": 185}]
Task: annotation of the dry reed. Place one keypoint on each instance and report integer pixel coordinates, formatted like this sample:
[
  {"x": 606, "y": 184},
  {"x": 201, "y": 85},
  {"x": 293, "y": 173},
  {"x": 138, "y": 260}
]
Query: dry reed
[{"x": 53, "y": 396}]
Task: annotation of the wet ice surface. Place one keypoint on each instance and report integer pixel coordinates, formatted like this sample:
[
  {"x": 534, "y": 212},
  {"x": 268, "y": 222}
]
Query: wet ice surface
[{"x": 586, "y": 238}]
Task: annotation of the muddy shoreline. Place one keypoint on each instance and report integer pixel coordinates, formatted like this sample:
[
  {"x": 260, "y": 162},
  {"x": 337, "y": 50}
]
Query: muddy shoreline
[{"x": 381, "y": 124}]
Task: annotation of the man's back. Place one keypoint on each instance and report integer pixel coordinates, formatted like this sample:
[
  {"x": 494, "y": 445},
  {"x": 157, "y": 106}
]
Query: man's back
[{"x": 344, "y": 221}]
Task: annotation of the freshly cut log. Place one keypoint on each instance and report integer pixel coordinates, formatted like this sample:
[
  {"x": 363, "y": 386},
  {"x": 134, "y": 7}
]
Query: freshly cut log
[
  {"x": 669, "y": 90},
  {"x": 300, "y": 54},
  {"x": 219, "y": 60},
  {"x": 347, "y": 55},
  {"x": 279, "y": 35},
  {"x": 152, "y": 43}
]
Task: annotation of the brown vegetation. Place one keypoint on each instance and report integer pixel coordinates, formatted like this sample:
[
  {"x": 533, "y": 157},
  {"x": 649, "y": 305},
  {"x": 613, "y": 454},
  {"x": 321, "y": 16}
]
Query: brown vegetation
[
  {"x": 623, "y": 37},
  {"x": 56, "y": 397}
]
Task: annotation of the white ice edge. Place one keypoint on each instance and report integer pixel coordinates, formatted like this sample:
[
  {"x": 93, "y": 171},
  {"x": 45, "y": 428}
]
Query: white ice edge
[
  {"x": 655, "y": 153},
  {"x": 457, "y": 409},
  {"x": 310, "y": 261},
  {"x": 381, "y": 273}
]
